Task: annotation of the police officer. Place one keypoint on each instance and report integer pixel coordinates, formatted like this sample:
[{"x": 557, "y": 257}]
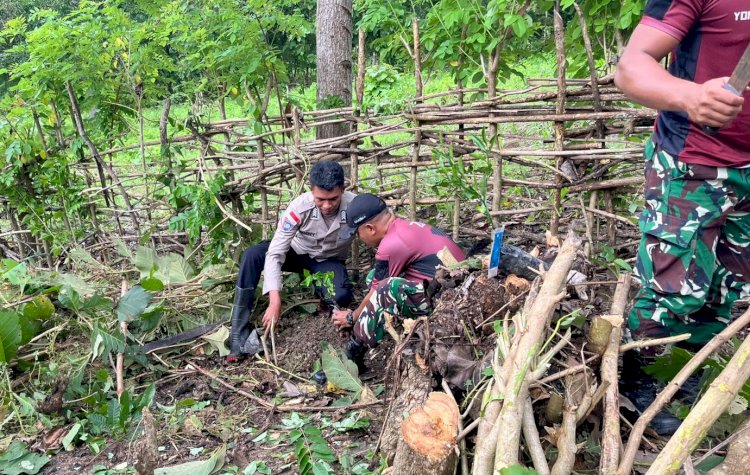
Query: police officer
[{"x": 307, "y": 237}]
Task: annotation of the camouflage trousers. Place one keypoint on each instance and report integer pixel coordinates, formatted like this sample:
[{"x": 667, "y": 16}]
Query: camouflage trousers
[
  {"x": 694, "y": 256},
  {"x": 396, "y": 296}
]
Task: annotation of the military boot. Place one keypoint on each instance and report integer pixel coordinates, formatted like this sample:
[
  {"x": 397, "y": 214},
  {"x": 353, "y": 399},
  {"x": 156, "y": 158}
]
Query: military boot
[
  {"x": 641, "y": 389},
  {"x": 244, "y": 300},
  {"x": 356, "y": 352}
]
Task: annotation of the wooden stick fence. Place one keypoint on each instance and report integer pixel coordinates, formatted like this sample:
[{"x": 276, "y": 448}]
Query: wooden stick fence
[{"x": 511, "y": 155}]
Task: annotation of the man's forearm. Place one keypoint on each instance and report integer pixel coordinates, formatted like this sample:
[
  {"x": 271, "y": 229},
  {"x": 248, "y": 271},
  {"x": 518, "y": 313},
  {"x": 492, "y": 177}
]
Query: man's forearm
[{"x": 646, "y": 82}]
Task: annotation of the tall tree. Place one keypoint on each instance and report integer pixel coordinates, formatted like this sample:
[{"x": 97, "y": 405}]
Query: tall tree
[{"x": 334, "y": 60}]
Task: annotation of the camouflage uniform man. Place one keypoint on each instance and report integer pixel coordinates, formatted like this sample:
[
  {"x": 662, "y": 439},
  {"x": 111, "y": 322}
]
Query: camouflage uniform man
[
  {"x": 694, "y": 257},
  {"x": 406, "y": 258},
  {"x": 307, "y": 238}
]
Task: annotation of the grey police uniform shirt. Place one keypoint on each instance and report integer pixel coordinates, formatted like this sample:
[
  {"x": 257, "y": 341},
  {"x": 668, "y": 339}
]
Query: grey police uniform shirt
[{"x": 303, "y": 228}]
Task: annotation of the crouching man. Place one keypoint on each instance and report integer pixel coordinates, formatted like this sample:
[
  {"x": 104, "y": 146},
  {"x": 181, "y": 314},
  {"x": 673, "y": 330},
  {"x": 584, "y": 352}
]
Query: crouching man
[
  {"x": 406, "y": 260},
  {"x": 307, "y": 238}
]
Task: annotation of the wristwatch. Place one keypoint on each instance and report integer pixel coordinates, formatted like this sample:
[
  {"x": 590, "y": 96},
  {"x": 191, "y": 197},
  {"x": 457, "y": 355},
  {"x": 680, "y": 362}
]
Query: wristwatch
[{"x": 350, "y": 319}]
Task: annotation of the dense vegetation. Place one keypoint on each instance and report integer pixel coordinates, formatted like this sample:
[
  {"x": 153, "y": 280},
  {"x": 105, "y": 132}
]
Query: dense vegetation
[{"x": 111, "y": 66}]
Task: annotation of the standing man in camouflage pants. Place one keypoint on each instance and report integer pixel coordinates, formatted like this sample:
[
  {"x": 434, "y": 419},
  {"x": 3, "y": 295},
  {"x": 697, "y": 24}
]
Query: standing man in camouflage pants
[
  {"x": 694, "y": 257},
  {"x": 407, "y": 257}
]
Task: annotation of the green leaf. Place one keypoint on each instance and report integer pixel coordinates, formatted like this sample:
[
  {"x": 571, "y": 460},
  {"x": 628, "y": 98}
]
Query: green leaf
[
  {"x": 19, "y": 460},
  {"x": 517, "y": 470},
  {"x": 10, "y": 334},
  {"x": 79, "y": 285},
  {"x": 711, "y": 462},
  {"x": 217, "y": 340},
  {"x": 70, "y": 437},
  {"x": 200, "y": 467},
  {"x": 132, "y": 305},
  {"x": 340, "y": 371},
  {"x": 152, "y": 284},
  {"x": 145, "y": 260},
  {"x": 29, "y": 329},
  {"x": 103, "y": 342},
  {"x": 174, "y": 269}
]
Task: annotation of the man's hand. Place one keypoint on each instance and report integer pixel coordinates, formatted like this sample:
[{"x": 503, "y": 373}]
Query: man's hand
[
  {"x": 273, "y": 312},
  {"x": 712, "y": 105},
  {"x": 339, "y": 319}
]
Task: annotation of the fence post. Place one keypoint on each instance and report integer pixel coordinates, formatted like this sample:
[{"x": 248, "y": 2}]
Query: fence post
[
  {"x": 559, "y": 125},
  {"x": 417, "y": 132}
]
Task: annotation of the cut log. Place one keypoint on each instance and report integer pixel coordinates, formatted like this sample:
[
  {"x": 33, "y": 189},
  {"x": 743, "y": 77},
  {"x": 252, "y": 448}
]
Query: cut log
[
  {"x": 428, "y": 438},
  {"x": 413, "y": 389}
]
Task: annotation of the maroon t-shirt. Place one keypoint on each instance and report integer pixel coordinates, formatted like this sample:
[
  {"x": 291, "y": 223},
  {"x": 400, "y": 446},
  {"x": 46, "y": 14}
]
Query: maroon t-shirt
[
  {"x": 409, "y": 250},
  {"x": 713, "y": 34}
]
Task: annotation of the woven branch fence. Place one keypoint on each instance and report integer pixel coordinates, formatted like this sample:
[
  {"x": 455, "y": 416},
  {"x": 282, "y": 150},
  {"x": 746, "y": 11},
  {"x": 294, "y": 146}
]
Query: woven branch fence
[{"x": 560, "y": 153}]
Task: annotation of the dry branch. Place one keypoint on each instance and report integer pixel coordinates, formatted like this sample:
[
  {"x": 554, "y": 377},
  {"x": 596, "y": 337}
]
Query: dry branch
[{"x": 611, "y": 441}]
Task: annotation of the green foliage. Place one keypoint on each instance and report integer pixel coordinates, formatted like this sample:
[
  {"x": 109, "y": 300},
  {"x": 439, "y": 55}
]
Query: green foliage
[
  {"x": 323, "y": 280},
  {"x": 10, "y": 334},
  {"x": 311, "y": 449},
  {"x": 517, "y": 470},
  {"x": 466, "y": 179},
  {"x": 340, "y": 370},
  {"x": 17, "y": 460},
  {"x": 666, "y": 367},
  {"x": 197, "y": 210},
  {"x": 608, "y": 258}
]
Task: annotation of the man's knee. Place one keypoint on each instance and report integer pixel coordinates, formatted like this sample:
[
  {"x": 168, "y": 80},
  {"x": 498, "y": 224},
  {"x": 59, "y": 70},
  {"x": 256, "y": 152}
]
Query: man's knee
[
  {"x": 254, "y": 254},
  {"x": 654, "y": 313}
]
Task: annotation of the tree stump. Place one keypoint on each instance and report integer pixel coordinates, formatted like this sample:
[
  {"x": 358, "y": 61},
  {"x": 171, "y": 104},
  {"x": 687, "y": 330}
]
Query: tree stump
[
  {"x": 413, "y": 389},
  {"x": 428, "y": 438}
]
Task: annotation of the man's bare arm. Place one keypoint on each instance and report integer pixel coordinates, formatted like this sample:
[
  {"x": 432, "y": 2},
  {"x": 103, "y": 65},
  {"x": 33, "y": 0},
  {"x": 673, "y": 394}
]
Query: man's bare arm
[{"x": 645, "y": 81}]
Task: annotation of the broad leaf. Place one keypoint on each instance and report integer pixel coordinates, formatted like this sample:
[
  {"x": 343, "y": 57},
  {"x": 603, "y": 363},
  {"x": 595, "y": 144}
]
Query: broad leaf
[
  {"x": 152, "y": 284},
  {"x": 19, "y": 460},
  {"x": 10, "y": 334},
  {"x": 132, "y": 305},
  {"x": 80, "y": 286},
  {"x": 341, "y": 371},
  {"x": 200, "y": 467},
  {"x": 145, "y": 260},
  {"x": 217, "y": 340},
  {"x": 29, "y": 329},
  {"x": 174, "y": 269}
]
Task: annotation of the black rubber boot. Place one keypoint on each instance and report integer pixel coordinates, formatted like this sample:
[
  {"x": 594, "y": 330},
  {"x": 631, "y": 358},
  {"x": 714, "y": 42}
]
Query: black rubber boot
[
  {"x": 641, "y": 388},
  {"x": 356, "y": 352},
  {"x": 241, "y": 310}
]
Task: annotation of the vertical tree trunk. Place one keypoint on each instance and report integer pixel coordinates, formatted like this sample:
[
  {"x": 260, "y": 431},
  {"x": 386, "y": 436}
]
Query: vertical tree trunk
[
  {"x": 166, "y": 152},
  {"x": 334, "y": 60}
]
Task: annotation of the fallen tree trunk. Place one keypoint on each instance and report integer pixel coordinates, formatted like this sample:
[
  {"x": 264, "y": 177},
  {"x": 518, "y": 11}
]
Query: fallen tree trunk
[{"x": 428, "y": 438}]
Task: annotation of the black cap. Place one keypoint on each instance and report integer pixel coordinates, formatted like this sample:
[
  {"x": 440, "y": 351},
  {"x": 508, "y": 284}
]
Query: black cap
[{"x": 362, "y": 209}]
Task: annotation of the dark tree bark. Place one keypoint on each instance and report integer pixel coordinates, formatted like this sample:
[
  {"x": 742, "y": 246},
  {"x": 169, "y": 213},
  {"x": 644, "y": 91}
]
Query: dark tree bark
[{"x": 334, "y": 60}]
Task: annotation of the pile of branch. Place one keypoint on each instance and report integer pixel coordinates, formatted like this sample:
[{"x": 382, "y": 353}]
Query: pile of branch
[{"x": 423, "y": 435}]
